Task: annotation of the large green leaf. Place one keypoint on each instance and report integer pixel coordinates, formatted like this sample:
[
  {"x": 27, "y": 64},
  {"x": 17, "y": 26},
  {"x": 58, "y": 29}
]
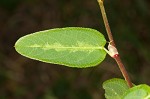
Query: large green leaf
[
  {"x": 72, "y": 46},
  {"x": 115, "y": 88},
  {"x": 138, "y": 92}
]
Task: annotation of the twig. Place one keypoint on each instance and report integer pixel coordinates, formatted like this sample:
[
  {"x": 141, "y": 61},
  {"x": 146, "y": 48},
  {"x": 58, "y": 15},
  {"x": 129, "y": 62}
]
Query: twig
[
  {"x": 106, "y": 22},
  {"x": 116, "y": 57}
]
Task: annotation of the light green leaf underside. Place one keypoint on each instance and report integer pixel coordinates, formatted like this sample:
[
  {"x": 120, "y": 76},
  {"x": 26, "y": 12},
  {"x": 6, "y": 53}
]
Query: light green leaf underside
[
  {"x": 72, "y": 46},
  {"x": 115, "y": 88},
  {"x": 138, "y": 92}
]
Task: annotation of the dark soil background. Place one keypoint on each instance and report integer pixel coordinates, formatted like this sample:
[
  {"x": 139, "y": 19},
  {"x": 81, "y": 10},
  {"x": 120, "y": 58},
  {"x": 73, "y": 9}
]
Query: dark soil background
[{"x": 23, "y": 78}]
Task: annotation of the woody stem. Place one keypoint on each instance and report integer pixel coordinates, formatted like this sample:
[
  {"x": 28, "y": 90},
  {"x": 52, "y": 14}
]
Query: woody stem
[{"x": 110, "y": 36}]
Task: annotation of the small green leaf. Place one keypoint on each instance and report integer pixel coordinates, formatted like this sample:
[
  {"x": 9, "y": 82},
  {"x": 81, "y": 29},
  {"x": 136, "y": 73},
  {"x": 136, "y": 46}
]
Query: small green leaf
[
  {"x": 115, "y": 88},
  {"x": 72, "y": 46},
  {"x": 138, "y": 92}
]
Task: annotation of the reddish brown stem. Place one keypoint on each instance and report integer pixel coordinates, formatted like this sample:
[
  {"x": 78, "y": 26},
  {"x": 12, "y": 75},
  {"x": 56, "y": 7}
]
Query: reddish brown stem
[
  {"x": 117, "y": 57},
  {"x": 123, "y": 70},
  {"x": 106, "y": 22}
]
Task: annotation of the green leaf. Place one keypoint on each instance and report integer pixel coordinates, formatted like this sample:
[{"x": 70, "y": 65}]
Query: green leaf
[
  {"x": 72, "y": 46},
  {"x": 138, "y": 92},
  {"x": 115, "y": 88}
]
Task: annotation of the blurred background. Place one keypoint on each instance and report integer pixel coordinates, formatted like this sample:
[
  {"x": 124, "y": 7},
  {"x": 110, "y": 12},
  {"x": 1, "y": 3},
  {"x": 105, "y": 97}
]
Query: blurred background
[{"x": 23, "y": 78}]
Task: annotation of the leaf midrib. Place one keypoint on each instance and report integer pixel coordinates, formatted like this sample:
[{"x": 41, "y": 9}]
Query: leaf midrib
[{"x": 66, "y": 47}]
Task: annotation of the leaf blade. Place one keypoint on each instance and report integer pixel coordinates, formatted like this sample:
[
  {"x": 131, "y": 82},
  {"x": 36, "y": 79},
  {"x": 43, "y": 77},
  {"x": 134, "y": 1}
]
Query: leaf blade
[
  {"x": 138, "y": 92},
  {"x": 74, "y": 47},
  {"x": 115, "y": 88}
]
